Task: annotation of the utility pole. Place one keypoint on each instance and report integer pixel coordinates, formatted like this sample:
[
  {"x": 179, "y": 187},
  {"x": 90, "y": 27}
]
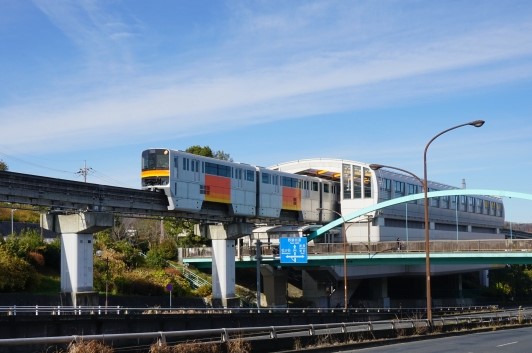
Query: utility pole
[{"x": 85, "y": 171}]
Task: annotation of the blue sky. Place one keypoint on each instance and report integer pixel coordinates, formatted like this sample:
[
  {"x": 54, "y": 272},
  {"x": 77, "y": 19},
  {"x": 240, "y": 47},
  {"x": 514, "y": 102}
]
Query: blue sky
[{"x": 270, "y": 82}]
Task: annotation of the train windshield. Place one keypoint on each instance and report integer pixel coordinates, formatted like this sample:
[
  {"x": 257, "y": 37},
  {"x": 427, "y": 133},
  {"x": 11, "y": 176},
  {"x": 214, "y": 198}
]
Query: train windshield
[{"x": 155, "y": 159}]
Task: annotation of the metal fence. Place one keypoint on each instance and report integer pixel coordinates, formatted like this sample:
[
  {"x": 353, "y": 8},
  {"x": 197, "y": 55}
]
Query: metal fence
[
  {"x": 393, "y": 328},
  {"x": 36, "y": 310}
]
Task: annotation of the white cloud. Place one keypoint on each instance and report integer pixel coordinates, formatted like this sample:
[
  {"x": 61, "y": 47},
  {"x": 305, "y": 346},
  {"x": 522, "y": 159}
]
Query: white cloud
[{"x": 321, "y": 69}]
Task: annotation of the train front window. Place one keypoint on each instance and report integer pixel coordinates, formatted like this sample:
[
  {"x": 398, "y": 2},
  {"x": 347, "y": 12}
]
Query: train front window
[{"x": 155, "y": 159}]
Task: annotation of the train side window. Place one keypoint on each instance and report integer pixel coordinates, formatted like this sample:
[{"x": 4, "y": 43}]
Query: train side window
[
  {"x": 250, "y": 175},
  {"x": 314, "y": 186},
  {"x": 326, "y": 188},
  {"x": 266, "y": 178}
]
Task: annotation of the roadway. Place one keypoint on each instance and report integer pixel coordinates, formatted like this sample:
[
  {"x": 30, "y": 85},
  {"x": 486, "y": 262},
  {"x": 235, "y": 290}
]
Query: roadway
[{"x": 517, "y": 340}]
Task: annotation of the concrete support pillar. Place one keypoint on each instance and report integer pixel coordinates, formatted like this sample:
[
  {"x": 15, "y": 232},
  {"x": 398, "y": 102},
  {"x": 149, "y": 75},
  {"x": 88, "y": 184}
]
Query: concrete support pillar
[
  {"x": 384, "y": 293},
  {"x": 223, "y": 273},
  {"x": 76, "y": 232},
  {"x": 460, "y": 286},
  {"x": 275, "y": 286},
  {"x": 485, "y": 278},
  {"x": 223, "y": 259}
]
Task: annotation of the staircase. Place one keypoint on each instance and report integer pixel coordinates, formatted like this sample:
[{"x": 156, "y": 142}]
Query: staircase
[{"x": 194, "y": 280}]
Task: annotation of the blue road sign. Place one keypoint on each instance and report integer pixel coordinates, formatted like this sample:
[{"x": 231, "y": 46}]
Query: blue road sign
[{"x": 293, "y": 250}]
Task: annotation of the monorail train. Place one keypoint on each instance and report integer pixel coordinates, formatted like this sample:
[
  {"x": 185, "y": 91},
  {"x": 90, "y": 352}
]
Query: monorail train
[{"x": 192, "y": 182}]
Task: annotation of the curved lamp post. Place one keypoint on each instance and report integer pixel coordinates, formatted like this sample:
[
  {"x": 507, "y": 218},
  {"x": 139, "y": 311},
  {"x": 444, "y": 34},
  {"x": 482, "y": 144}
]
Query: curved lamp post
[
  {"x": 476, "y": 123},
  {"x": 345, "y": 251}
]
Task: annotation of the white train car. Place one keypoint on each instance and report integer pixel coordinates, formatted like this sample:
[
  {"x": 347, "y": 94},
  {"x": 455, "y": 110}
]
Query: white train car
[{"x": 191, "y": 181}]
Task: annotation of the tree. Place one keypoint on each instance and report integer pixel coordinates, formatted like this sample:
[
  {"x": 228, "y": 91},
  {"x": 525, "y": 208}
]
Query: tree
[
  {"x": 3, "y": 165},
  {"x": 205, "y": 151},
  {"x": 223, "y": 156}
]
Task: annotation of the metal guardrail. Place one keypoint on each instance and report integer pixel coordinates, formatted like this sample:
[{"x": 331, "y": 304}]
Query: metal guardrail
[
  {"x": 223, "y": 335},
  {"x": 37, "y": 310}
]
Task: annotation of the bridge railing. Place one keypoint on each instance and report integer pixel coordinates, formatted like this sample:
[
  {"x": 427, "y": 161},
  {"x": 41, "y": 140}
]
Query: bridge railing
[{"x": 478, "y": 245}]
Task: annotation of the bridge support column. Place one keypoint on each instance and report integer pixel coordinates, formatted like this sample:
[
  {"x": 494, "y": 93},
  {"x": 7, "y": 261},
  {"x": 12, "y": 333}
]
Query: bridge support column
[
  {"x": 275, "y": 286},
  {"x": 76, "y": 232},
  {"x": 223, "y": 259},
  {"x": 484, "y": 278}
]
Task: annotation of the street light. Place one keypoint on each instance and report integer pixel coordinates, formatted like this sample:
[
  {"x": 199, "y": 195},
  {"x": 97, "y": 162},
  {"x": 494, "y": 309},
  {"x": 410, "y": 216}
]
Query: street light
[
  {"x": 12, "y": 228},
  {"x": 345, "y": 252},
  {"x": 476, "y": 123}
]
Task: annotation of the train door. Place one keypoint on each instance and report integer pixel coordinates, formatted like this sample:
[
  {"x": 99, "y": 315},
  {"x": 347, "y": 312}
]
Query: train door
[
  {"x": 306, "y": 189},
  {"x": 196, "y": 169},
  {"x": 238, "y": 178}
]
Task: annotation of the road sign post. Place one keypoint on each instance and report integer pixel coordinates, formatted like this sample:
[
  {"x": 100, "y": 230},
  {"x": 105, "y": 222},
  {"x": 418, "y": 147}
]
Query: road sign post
[
  {"x": 293, "y": 250},
  {"x": 169, "y": 288}
]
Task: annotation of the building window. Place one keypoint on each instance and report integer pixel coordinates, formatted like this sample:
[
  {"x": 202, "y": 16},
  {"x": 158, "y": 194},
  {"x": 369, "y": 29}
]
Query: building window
[
  {"x": 357, "y": 182},
  {"x": 399, "y": 188},
  {"x": 434, "y": 201},
  {"x": 367, "y": 183},
  {"x": 346, "y": 180}
]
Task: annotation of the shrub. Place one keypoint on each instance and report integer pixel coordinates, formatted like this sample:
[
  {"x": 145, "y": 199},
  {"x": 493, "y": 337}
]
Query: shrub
[
  {"x": 134, "y": 284},
  {"x": 52, "y": 255},
  {"x": 35, "y": 259},
  {"x": 189, "y": 347},
  {"x": 154, "y": 259},
  {"x": 204, "y": 291},
  {"x": 89, "y": 347},
  {"x": 16, "y": 274},
  {"x": 27, "y": 241},
  {"x": 128, "y": 254}
]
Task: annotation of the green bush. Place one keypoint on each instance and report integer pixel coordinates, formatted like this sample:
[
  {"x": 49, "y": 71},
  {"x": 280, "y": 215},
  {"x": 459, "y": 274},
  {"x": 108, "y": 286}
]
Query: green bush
[
  {"x": 52, "y": 255},
  {"x": 131, "y": 284},
  {"x": 26, "y": 242},
  {"x": 204, "y": 291},
  {"x": 16, "y": 275},
  {"x": 128, "y": 254},
  {"x": 154, "y": 259}
]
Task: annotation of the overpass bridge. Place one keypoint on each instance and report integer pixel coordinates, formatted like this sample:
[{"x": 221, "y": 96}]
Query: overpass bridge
[{"x": 462, "y": 252}]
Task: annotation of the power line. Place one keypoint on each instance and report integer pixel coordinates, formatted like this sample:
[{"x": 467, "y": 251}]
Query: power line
[{"x": 7, "y": 156}]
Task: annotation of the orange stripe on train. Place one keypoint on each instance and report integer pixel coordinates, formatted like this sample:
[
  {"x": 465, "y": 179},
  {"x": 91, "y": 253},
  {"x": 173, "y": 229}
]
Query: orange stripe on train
[
  {"x": 218, "y": 189},
  {"x": 291, "y": 199}
]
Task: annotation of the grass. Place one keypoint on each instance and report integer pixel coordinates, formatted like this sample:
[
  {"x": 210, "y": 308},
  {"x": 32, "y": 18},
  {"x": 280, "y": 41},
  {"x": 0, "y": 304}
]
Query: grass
[{"x": 48, "y": 284}]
